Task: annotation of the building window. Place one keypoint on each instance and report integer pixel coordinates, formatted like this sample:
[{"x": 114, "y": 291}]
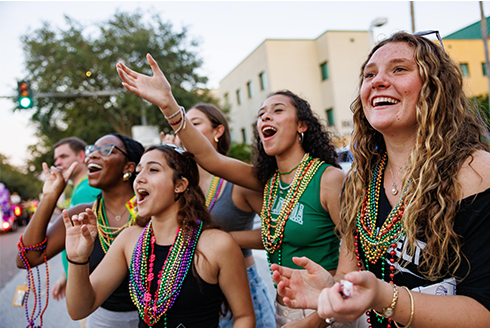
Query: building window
[
  {"x": 324, "y": 69},
  {"x": 244, "y": 136},
  {"x": 484, "y": 69},
  {"x": 249, "y": 89},
  {"x": 227, "y": 100},
  {"x": 238, "y": 97},
  {"x": 330, "y": 117},
  {"x": 464, "y": 68},
  {"x": 262, "y": 80}
]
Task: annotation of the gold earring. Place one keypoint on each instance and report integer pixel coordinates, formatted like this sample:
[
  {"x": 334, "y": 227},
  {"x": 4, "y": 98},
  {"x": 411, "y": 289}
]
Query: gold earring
[
  {"x": 127, "y": 176},
  {"x": 216, "y": 139}
]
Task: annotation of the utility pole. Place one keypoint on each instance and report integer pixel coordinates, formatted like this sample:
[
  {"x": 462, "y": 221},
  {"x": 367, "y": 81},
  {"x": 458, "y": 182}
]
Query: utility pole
[
  {"x": 412, "y": 16},
  {"x": 484, "y": 36}
]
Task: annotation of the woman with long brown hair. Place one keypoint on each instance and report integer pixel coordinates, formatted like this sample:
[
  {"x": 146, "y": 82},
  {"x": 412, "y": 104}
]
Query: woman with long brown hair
[
  {"x": 415, "y": 209},
  {"x": 179, "y": 268}
]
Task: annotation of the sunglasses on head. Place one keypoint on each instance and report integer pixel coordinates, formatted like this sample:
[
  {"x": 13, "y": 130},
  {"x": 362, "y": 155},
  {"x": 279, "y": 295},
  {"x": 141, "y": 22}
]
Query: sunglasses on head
[
  {"x": 424, "y": 33},
  {"x": 104, "y": 150},
  {"x": 175, "y": 148}
]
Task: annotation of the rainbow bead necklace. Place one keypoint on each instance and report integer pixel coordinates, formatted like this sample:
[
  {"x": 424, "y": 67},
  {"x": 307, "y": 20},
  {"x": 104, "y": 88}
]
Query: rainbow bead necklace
[
  {"x": 170, "y": 278},
  {"x": 376, "y": 243},
  {"x": 273, "y": 229},
  {"x": 213, "y": 192}
]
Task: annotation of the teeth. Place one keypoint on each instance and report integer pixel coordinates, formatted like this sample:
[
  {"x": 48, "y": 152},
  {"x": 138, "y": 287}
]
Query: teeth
[
  {"x": 95, "y": 166},
  {"x": 269, "y": 128},
  {"x": 378, "y": 100},
  {"x": 141, "y": 190}
]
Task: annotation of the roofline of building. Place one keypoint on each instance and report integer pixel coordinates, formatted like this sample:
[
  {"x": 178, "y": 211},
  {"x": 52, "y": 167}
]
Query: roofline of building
[{"x": 277, "y": 39}]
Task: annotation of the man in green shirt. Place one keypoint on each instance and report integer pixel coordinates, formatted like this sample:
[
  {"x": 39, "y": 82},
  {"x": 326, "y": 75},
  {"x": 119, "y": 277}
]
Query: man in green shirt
[{"x": 67, "y": 151}]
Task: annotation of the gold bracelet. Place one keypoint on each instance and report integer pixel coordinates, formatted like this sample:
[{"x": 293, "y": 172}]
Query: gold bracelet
[
  {"x": 388, "y": 311},
  {"x": 412, "y": 310}
]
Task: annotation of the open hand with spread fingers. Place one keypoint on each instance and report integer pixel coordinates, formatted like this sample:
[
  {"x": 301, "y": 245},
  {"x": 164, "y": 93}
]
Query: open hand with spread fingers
[
  {"x": 81, "y": 231},
  {"x": 154, "y": 89},
  {"x": 301, "y": 288}
]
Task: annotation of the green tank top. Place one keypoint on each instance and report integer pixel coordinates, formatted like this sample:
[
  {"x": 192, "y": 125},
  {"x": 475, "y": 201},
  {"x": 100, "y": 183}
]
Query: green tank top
[{"x": 309, "y": 230}]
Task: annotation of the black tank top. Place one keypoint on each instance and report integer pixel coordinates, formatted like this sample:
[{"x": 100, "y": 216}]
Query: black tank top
[
  {"x": 197, "y": 305},
  {"x": 119, "y": 300}
]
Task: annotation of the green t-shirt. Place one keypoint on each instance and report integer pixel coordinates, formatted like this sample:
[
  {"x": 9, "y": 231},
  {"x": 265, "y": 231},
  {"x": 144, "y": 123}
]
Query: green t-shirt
[
  {"x": 81, "y": 193},
  {"x": 309, "y": 230}
]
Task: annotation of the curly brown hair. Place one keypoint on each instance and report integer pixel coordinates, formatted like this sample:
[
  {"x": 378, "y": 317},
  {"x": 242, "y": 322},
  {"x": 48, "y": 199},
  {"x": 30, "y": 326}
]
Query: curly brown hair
[{"x": 449, "y": 132}]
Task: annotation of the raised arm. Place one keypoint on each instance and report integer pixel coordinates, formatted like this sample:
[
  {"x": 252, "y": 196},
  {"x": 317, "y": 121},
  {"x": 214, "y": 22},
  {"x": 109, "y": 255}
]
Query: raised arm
[
  {"x": 157, "y": 90},
  {"x": 84, "y": 293},
  {"x": 37, "y": 230}
]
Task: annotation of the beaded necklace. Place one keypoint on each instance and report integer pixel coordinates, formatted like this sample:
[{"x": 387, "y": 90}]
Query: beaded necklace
[
  {"x": 170, "y": 278},
  {"x": 31, "y": 284},
  {"x": 376, "y": 243},
  {"x": 213, "y": 192},
  {"x": 106, "y": 233},
  {"x": 273, "y": 229}
]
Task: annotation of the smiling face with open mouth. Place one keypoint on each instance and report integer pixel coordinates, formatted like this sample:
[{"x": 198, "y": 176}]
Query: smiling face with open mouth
[
  {"x": 105, "y": 171},
  {"x": 278, "y": 125},
  {"x": 154, "y": 186},
  {"x": 391, "y": 88}
]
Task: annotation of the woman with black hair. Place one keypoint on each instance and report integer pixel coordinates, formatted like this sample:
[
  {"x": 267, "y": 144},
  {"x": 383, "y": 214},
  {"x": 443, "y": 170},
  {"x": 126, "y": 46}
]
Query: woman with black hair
[
  {"x": 179, "y": 267},
  {"x": 232, "y": 207},
  {"x": 111, "y": 163},
  {"x": 294, "y": 166}
]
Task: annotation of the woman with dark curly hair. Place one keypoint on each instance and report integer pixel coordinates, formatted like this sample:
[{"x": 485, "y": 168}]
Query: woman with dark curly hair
[
  {"x": 295, "y": 167},
  {"x": 416, "y": 206}
]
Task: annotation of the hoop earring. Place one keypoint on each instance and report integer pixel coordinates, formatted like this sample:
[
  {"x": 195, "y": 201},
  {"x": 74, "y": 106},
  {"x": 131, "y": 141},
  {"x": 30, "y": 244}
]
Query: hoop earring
[
  {"x": 301, "y": 137},
  {"x": 127, "y": 176},
  {"x": 216, "y": 139}
]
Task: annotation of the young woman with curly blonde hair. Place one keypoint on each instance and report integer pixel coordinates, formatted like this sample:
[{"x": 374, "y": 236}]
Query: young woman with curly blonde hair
[{"x": 415, "y": 209}]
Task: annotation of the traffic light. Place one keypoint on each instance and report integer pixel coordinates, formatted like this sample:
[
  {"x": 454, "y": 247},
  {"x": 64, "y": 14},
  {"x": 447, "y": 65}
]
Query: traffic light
[{"x": 26, "y": 98}]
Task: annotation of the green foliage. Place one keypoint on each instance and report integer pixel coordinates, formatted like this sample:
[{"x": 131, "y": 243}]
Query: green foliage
[
  {"x": 59, "y": 61},
  {"x": 26, "y": 185},
  {"x": 484, "y": 108},
  {"x": 240, "y": 151}
]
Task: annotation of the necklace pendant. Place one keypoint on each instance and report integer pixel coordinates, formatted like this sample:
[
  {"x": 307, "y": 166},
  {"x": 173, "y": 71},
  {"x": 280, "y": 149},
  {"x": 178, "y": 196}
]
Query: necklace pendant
[
  {"x": 118, "y": 218},
  {"x": 394, "y": 191}
]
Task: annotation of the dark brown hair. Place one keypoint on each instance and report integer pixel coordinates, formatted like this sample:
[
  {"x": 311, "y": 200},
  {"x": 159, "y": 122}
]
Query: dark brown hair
[{"x": 217, "y": 118}]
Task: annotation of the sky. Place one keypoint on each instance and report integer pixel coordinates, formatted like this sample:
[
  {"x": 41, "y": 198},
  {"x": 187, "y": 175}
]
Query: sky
[{"x": 228, "y": 31}]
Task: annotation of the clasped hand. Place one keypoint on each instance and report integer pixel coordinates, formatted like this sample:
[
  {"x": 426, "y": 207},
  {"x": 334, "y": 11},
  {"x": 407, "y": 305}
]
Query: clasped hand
[
  {"x": 56, "y": 179},
  {"x": 314, "y": 288}
]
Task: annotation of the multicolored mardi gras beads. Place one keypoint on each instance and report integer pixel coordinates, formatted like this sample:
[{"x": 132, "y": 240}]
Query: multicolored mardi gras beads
[
  {"x": 106, "y": 233},
  {"x": 171, "y": 276},
  {"x": 273, "y": 229},
  {"x": 213, "y": 192},
  {"x": 379, "y": 244}
]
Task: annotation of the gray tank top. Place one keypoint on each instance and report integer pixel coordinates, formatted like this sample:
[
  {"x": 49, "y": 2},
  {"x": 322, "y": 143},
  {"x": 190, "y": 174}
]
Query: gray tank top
[{"x": 230, "y": 217}]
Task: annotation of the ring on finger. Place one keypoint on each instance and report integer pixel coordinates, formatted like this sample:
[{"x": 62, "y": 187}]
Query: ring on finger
[{"x": 330, "y": 320}]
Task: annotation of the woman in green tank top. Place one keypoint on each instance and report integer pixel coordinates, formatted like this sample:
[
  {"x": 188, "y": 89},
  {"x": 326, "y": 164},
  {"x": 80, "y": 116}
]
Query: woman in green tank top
[{"x": 294, "y": 165}]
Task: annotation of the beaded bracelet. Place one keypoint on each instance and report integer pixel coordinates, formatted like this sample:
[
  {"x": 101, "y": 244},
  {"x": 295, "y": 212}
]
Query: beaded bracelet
[
  {"x": 182, "y": 123},
  {"x": 412, "y": 310},
  {"x": 78, "y": 263},
  {"x": 174, "y": 114},
  {"x": 178, "y": 121},
  {"x": 30, "y": 281}
]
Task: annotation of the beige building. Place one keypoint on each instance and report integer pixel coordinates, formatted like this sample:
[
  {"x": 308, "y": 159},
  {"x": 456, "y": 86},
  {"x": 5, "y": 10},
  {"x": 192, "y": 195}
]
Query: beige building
[{"x": 324, "y": 71}]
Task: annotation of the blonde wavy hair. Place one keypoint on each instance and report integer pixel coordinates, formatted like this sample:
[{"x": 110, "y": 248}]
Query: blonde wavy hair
[{"x": 449, "y": 131}]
